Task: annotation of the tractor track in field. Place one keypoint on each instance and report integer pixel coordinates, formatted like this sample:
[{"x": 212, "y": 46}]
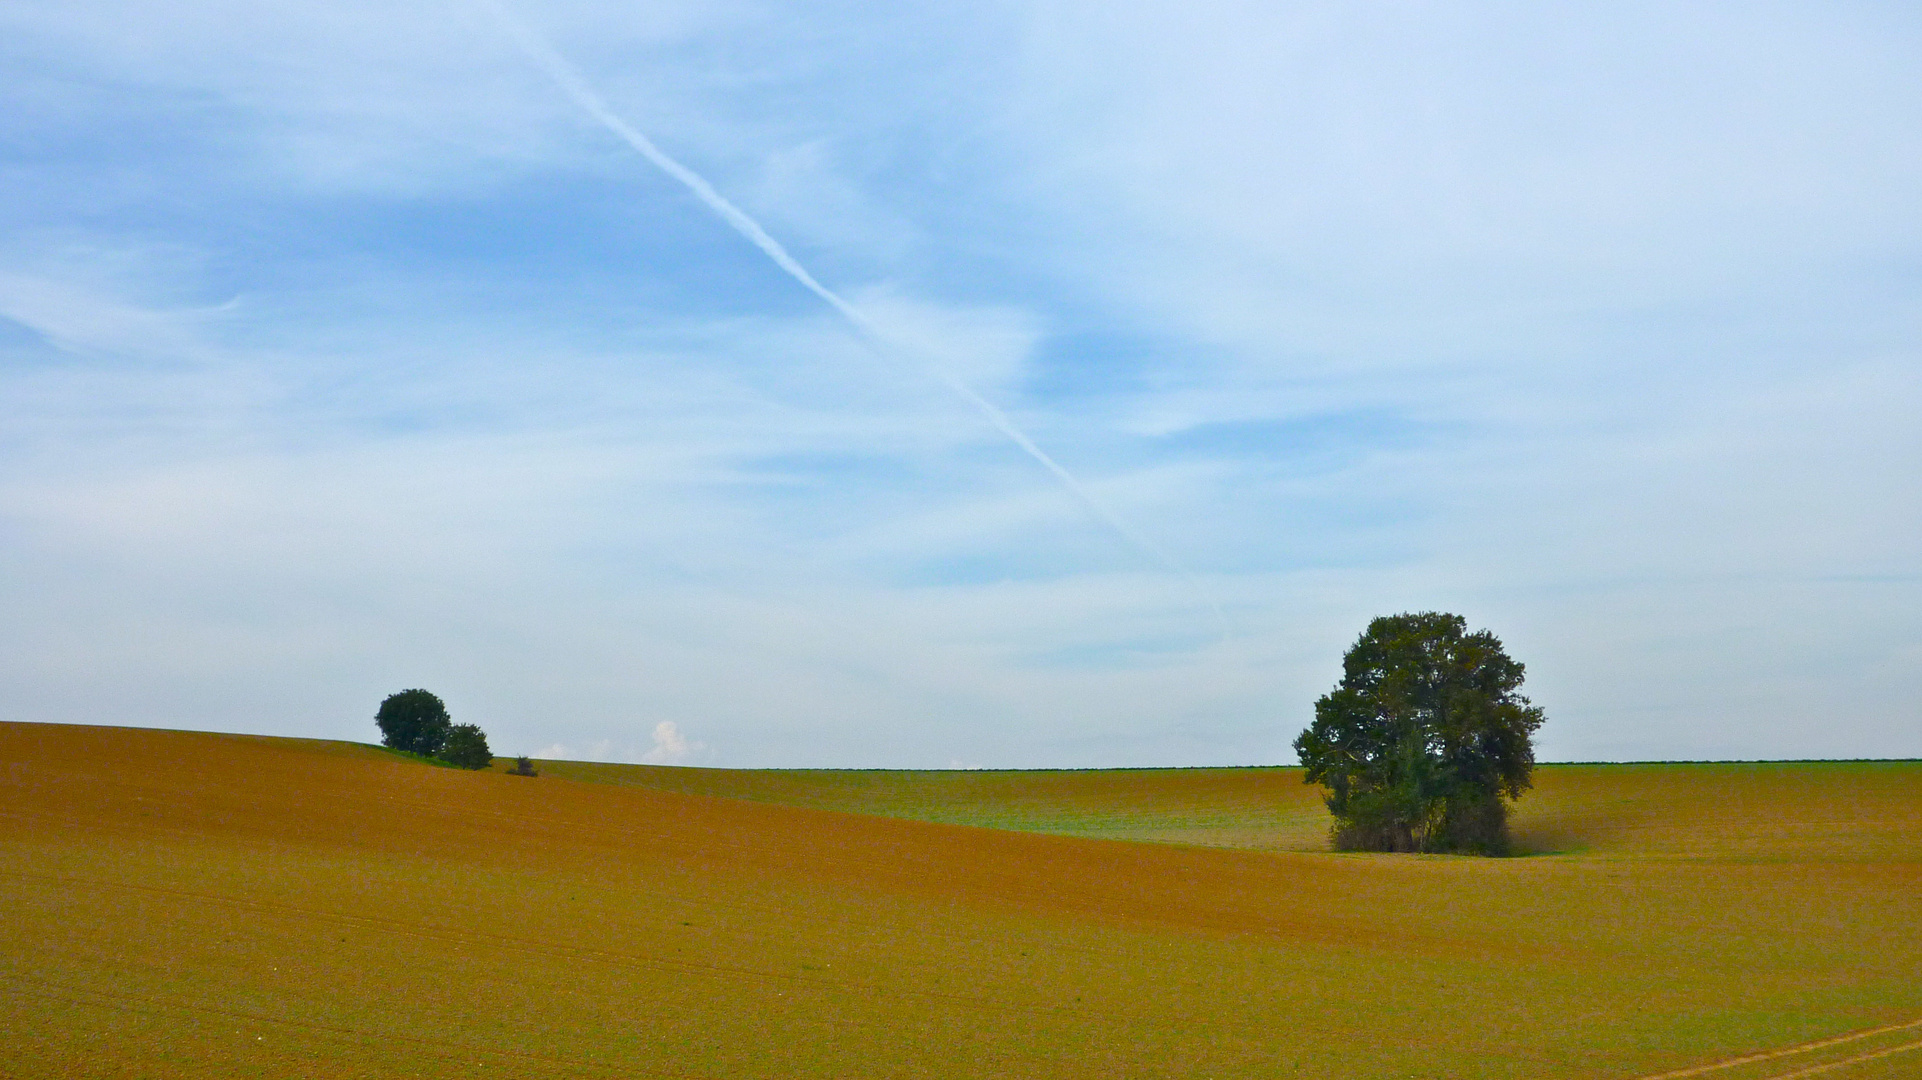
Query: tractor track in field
[
  {"x": 1857, "y": 1060},
  {"x": 1804, "y": 1048}
]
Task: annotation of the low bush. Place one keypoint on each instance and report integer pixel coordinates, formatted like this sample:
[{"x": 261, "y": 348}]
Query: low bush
[
  {"x": 1466, "y": 826},
  {"x": 1475, "y": 827},
  {"x": 466, "y": 746}
]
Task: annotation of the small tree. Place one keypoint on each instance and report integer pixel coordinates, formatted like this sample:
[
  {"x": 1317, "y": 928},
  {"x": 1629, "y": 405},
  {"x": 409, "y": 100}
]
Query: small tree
[
  {"x": 467, "y": 747},
  {"x": 1424, "y": 738},
  {"x": 415, "y": 721}
]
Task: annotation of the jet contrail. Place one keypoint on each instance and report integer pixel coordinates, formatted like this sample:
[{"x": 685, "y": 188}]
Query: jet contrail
[{"x": 569, "y": 80}]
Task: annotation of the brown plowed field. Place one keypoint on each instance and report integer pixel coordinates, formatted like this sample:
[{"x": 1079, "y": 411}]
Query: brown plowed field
[{"x": 186, "y": 904}]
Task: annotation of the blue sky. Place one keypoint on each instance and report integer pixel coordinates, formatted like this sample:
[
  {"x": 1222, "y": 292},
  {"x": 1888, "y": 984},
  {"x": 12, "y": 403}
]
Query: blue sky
[{"x": 341, "y": 352}]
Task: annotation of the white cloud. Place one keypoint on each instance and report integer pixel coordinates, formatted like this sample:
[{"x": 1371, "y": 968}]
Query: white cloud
[{"x": 670, "y": 746}]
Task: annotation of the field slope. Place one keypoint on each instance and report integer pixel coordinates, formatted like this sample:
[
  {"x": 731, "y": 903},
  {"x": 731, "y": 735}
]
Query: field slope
[{"x": 181, "y": 904}]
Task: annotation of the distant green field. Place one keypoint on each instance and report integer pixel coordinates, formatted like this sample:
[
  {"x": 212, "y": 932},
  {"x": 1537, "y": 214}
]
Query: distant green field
[
  {"x": 1846, "y": 810},
  {"x": 1262, "y": 808}
]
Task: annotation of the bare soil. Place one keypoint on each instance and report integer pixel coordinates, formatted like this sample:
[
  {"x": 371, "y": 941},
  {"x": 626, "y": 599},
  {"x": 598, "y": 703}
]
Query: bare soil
[{"x": 183, "y": 904}]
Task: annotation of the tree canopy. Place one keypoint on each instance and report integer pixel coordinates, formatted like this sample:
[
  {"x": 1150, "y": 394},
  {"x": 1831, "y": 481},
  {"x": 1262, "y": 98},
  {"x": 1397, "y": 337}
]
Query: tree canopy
[
  {"x": 467, "y": 747},
  {"x": 1424, "y": 738},
  {"x": 415, "y": 721}
]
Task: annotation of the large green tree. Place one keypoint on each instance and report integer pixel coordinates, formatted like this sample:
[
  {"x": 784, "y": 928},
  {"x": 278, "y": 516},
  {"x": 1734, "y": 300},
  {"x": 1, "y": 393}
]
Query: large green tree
[
  {"x": 415, "y": 721},
  {"x": 1424, "y": 740}
]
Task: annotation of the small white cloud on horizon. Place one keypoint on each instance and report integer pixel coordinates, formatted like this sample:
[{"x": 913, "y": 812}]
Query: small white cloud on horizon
[{"x": 670, "y": 746}]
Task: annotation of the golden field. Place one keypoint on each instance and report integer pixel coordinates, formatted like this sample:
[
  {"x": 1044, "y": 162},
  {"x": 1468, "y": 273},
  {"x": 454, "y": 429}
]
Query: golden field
[{"x": 182, "y": 904}]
